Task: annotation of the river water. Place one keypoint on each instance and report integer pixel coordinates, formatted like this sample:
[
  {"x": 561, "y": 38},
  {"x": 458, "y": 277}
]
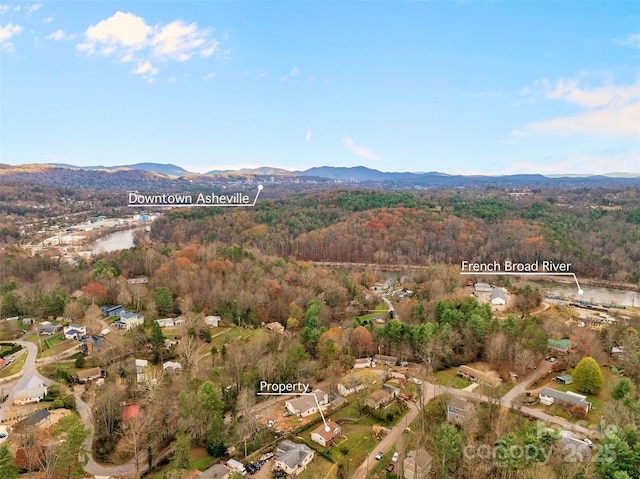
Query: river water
[
  {"x": 591, "y": 293},
  {"x": 114, "y": 242}
]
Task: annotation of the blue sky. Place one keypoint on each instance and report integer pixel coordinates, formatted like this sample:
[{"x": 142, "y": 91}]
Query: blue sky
[{"x": 458, "y": 87}]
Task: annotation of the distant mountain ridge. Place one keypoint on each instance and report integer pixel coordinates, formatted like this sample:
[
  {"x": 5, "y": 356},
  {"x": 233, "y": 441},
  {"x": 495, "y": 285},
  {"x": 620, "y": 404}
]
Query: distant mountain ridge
[
  {"x": 165, "y": 169},
  {"x": 149, "y": 176}
]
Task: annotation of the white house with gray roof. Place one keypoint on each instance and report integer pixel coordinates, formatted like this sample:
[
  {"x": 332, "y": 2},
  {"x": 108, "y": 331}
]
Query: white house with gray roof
[{"x": 293, "y": 458}]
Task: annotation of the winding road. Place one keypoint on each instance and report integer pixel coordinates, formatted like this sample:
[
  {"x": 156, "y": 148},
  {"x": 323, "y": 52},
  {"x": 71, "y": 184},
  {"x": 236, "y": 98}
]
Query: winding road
[{"x": 430, "y": 391}]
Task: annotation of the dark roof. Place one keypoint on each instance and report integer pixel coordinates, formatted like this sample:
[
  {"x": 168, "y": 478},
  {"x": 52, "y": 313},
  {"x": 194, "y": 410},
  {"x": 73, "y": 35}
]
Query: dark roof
[
  {"x": 35, "y": 418},
  {"x": 575, "y": 399}
]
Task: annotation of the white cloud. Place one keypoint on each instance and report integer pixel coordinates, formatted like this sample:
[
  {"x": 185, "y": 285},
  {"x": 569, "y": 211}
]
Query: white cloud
[
  {"x": 8, "y": 32},
  {"x": 145, "y": 68},
  {"x": 608, "y": 110},
  {"x": 294, "y": 72},
  {"x": 593, "y": 164},
  {"x": 60, "y": 35},
  {"x": 48, "y": 20},
  {"x": 34, "y": 8},
  {"x": 4, "y": 9},
  {"x": 172, "y": 80},
  {"x": 17, "y": 8},
  {"x": 360, "y": 151},
  {"x": 128, "y": 38},
  {"x": 308, "y": 136},
  {"x": 209, "y": 76},
  {"x": 632, "y": 39}
]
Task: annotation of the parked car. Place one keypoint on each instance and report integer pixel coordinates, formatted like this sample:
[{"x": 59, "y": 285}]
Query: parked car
[
  {"x": 277, "y": 473},
  {"x": 379, "y": 455},
  {"x": 588, "y": 442},
  {"x": 271, "y": 422},
  {"x": 551, "y": 359},
  {"x": 395, "y": 457},
  {"x": 390, "y": 467},
  {"x": 417, "y": 381}
]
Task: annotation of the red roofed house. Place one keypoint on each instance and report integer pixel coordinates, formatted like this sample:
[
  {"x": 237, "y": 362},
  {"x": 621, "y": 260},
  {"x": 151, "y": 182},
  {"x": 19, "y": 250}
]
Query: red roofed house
[{"x": 326, "y": 438}]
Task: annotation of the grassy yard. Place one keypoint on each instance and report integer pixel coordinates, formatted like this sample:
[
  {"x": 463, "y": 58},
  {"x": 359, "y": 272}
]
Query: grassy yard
[
  {"x": 235, "y": 334},
  {"x": 449, "y": 377},
  {"x": 199, "y": 459},
  {"x": 319, "y": 469},
  {"x": 597, "y": 400},
  {"x": 16, "y": 367}
]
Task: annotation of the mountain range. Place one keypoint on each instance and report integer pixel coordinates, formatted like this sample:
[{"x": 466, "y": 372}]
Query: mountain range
[{"x": 152, "y": 175}]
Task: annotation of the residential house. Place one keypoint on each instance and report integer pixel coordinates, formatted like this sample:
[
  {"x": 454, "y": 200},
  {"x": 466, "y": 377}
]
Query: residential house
[
  {"x": 213, "y": 321},
  {"x": 165, "y": 322},
  {"x": 487, "y": 378},
  {"x": 172, "y": 367},
  {"x": 35, "y": 391},
  {"x": 326, "y": 438},
  {"x": 307, "y": 404},
  {"x": 112, "y": 311},
  {"x": 386, "y": 360},
  {"x": 41, "y": 417},
  {"x": 498, "y": 297},
  {"x": 91, "y": 344},
  {"x": 362, "y": 363},
  {"x": 88, "y": 374},
  {"x": 482, "y": 288},
  {"x": 141, "y": 280},
  {"x": 47, "y": 328},
  {"x": 129, "y": 320},
  {"x": 417, "y": 464},
  {"x": 617, "y": 351},
  {"x": 293, "y": 458},
  {"x": 74, "y": 331},
  {"x": 3, "y": 363},
  {"x": 217, "y": 471},
  {"x": 275, "y": 326},
  {"x": 560, "y": 346},
  {"x": 458, "y": 410},
  {"x": 235, "y": 466},
  {"x": 574, "y": 449},
  {"x": 141, "y": 364},
  {"x": 564, "y": 379},
  {"x": 378, "y": 399},
  {"x": 568, "y": 399},
  {"x": 391, "y": 389},
  {"x": 129, "y": 412}
]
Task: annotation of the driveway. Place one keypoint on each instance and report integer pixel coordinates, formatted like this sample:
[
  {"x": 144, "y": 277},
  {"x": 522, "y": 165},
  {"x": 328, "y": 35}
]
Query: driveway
[{"x": 28, "y": 371}]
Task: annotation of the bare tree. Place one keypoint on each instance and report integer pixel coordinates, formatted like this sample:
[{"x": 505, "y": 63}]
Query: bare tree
[
  {"x": 134, "y": 434},
  {"x": 188, "y": 350}
]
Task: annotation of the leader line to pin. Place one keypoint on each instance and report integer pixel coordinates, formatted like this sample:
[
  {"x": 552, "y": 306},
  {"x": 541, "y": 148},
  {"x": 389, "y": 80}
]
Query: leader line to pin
[
  {"x": 580, "y": 291},
  {"x": 326, "y": 426}
]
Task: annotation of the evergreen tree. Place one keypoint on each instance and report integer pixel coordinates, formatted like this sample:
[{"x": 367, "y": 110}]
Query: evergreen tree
[{"x": 7, "y": 469}]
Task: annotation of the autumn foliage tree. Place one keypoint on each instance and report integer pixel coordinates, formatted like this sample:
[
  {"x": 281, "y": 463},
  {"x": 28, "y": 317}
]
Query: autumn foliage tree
[
  {"x": 96, "y": 291},
  {"x": 361, "y": 342},
  {"x": 587, "y": 376}
]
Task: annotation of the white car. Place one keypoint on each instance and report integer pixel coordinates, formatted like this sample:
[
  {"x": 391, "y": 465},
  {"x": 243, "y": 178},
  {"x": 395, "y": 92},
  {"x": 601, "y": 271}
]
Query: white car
[
  {"x": 417, "y": 381},
  {"x": 395, "y": 457},
  {"x": 588, "y": 442}
]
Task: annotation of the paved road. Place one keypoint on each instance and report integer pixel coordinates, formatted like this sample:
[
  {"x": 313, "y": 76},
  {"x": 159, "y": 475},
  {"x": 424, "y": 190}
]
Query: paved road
[
  {"x": 430, "y": 391},
  {"x": 92, "y": 467},
  {"x": 28, "y": 371}
]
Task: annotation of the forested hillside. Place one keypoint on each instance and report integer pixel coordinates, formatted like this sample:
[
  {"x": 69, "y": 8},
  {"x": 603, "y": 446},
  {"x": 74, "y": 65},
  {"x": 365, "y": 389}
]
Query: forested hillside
[{"x": 598, "y": 231}]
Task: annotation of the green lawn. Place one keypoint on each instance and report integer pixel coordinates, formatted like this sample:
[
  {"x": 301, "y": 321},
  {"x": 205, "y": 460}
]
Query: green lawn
[
  {"x": 235, "y": 334},
  {"x": 319, "y": 468},
  {"x": 449, "y": 377},
  {"x": 16, "y": 367},
  {"x": 199, "y": 459}
]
